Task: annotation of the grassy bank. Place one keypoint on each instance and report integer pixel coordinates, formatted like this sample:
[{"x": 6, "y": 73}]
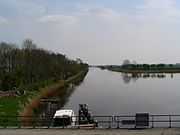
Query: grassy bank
[
  {"x": 25, "y": 104},
  {"x": 10, "y": 105},
  {"x": 33, "y": 103}
]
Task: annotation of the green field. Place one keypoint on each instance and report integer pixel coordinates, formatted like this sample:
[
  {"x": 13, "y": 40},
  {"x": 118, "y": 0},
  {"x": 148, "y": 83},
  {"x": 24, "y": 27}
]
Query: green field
[
  {"x": 11, "y": 104},
  {"x": 144, "y": 68}
]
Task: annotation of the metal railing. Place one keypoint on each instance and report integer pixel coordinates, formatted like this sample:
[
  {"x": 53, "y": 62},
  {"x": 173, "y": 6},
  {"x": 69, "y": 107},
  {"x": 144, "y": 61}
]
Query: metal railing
[
  {"x": 47, "y": 121},
  {"x": 105, "y": 120},
  {"x": 154, "y": 121},
  {"x": 25, "y": 121},
  {"x": 120, "y": 121}
]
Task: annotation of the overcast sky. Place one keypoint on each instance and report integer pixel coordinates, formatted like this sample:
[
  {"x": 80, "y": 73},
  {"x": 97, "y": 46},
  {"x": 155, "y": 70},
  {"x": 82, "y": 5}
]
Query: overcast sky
[{"x": 97, "y": 31}]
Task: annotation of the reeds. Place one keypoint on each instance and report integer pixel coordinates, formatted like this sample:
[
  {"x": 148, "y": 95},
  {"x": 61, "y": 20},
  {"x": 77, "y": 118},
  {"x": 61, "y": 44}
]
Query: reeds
[{"x": 32, "y": 105}]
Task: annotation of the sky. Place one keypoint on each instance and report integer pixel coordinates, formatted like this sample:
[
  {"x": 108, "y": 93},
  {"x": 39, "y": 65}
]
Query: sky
[{"x": 97, "y": 31}]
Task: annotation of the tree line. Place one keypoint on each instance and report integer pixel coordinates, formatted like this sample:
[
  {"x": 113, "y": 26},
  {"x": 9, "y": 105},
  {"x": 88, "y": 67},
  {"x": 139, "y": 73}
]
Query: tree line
[
  {"x": 128, "y": 65},
  {"x": 134, "y": 66},
  {"x": 31, "y": 67}
]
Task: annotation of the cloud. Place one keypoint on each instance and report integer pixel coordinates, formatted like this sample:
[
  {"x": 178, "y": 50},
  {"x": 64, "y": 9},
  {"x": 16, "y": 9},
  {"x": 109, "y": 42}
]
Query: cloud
[
  {"x": 31, "y": 9},
  {"x": 3, "y": 20},
  {"x": 23, "y": 7},
  {"x": 97, "y": 11},
  {"x": 160, "y": 11},
  {"x": 141, "y": 33},
  {"x": 59, "y": 19},
  {"x": 153, "y": 12}
]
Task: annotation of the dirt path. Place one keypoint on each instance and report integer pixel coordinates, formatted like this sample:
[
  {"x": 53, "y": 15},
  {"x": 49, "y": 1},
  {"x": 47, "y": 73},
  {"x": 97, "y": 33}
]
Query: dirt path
[
  {"x": 161, "y": 131},
  {"x": 8, "y": 93}
]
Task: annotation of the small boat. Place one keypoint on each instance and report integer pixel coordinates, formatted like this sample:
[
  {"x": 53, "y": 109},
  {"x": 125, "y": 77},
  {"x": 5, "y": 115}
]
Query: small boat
[{"x": 64, "y": 117}]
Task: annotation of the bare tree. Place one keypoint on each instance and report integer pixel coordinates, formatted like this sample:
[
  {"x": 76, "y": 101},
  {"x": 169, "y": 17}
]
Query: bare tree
[{"x": 126, "y": 63}]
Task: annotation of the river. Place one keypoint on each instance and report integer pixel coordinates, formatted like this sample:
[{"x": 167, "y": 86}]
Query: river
[{"x": 115, "y": 93}]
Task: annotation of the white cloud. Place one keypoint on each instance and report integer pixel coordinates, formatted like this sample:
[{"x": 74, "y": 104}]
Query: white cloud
[
  {"x": 97, "y": 11},
  {"x": 154, "y": 12},
  {"x": 25, "y": 7},
  {"x": 143, "y": 33},
  {"x": 3, "y": 20},
  {"x": 31, "y": 9},
  {"x": 160, "y": 11},
  {"x": 59, "y": 19}
]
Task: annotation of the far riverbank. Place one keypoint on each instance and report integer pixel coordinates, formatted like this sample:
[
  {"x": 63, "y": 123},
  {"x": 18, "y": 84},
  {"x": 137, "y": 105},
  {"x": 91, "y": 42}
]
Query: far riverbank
[
  {"x": 127, "y": 67},
  {"x": 144, "y": 71}
]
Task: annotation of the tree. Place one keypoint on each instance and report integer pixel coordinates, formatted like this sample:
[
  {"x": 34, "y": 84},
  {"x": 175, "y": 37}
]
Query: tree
[
  {"x": 126, "y": 63},
  {"x": 31, "y": 67}
]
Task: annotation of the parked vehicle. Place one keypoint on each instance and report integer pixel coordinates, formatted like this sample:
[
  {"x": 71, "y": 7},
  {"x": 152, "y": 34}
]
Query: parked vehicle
[{"x": 64, "y": 117}]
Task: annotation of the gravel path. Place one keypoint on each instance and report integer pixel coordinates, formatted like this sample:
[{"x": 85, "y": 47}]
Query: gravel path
[{"x": 159, "y": 131}]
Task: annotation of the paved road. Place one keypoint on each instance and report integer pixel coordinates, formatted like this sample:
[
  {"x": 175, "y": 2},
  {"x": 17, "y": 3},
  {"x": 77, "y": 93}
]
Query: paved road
[{"x": 162, "y": 131}]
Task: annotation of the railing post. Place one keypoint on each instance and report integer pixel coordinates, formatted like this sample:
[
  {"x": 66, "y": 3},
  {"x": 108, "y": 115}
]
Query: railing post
[
  {"x": 109, "y": 122},
  {"x": 135, "y": 122},
  {"x": 94, "y": 123},
  {"x": 169, "y": 121},
  {"x": 79, "y": 121},
  {"x": 152, "y": 121},
  {"x": 5, "y": 126},
  {"x": 94, "y": 126},
  {"x": 34, "y": 122},
  {"x": 63, "y": 122},
  {"x": 48, "y": 124},
  {"x": 19, "y": 124},
  {"x": 118, "y": 122}
]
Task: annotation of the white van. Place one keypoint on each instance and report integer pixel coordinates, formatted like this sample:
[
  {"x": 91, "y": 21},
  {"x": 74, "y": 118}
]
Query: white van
[{"x": 64, "y": 117}]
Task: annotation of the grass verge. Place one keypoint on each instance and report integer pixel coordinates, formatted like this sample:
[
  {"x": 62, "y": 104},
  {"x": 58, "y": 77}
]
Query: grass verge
[
  {"x": 35, "y": 101},
  {"x": 25, "y": 104},
  {"x": 20, "y": 104}
]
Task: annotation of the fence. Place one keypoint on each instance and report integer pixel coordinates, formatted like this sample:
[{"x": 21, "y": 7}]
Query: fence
[
  {"x": 46, "y": 121},
  {"x": 26, "y": 121},
  {"x": 7, "y": 93},
  {"x": 128, "y": 121},
  {"x": 153, "y": 121}
]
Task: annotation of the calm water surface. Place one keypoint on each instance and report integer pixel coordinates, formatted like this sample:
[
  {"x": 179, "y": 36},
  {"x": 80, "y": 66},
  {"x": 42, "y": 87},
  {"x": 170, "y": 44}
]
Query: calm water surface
[{"x": 114, "y": 93}]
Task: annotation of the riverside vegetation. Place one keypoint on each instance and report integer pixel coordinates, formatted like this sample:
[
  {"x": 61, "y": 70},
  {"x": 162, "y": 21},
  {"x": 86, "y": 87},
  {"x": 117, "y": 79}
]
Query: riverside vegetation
[
  {"x": 128, "y": 67},
  {"x": 34, "y": 72}
]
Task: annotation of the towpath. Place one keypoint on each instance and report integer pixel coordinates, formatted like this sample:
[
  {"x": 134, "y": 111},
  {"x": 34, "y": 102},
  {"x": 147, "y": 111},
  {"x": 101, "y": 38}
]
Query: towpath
[{"x": 155, "y": 131}]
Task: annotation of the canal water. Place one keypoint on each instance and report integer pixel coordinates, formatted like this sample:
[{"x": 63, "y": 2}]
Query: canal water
[{"x": 115, "y": 93}]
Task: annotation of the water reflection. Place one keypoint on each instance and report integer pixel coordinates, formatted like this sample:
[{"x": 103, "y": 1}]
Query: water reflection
[
  {"x": 57, "y": 100},
  {"x": 106, "y": 93},
  {"x": 127, "y": 77}
]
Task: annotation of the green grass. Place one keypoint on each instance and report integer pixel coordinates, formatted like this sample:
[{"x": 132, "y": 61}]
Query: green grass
[
  {"x": 35, "y": 102},
  {"x": 11, "y": 104},
  {"x": 15, "y": 104}
]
